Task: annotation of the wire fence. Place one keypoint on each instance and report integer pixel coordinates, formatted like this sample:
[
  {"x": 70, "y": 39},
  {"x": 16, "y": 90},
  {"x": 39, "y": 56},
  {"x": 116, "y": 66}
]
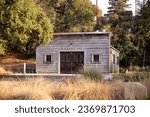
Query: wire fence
[{"x": 17, "y": 68}]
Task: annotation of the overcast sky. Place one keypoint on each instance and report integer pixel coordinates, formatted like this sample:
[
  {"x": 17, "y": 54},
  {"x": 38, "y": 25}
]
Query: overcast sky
[{"x": 103, "y": 4}]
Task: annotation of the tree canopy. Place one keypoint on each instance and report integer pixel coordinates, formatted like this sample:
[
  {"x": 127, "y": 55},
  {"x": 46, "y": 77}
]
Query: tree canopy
[
  {"x": 72, "y": 15},
  {"x": 119, "y": 23},
  {"x": 129, "y": 34},
  {"x": 141, "y": 30},
  {"x": 23, "y": 26}
]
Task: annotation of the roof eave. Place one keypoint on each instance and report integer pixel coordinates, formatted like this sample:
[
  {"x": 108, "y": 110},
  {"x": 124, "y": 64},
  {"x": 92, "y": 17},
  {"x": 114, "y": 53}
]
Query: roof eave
[
  {"x": 82, "y": 33},
  {"x": 115, "y": 49}
]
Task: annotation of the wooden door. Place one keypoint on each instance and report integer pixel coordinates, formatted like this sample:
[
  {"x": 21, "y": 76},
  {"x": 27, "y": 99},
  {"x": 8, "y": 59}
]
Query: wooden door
[{"x": 71, "y": 62}]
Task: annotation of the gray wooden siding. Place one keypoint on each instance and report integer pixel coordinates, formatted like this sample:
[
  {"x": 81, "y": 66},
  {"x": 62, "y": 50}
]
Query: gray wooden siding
[
  {"x": 114, "y": 67},
  {"x": 88, "y": 46}
]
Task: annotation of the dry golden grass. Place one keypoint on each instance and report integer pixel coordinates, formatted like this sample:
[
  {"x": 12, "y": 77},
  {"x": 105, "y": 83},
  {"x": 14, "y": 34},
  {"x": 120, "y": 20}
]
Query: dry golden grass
[
  {"x": 147, "y": 84},
  {"x": 43, "y": 89},
  {"x": 29, "y": 89},
  {"x": 13, "y": 59},
  {"x": 135, "y": 90},
  {"x": 14, "y": 63},
  {"x": 80, "y": 91},
  {"x": 3, "y": 71}
]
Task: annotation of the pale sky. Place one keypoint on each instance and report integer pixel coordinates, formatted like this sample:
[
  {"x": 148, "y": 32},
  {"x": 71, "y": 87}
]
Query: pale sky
[{"x": 103, "y": 4}]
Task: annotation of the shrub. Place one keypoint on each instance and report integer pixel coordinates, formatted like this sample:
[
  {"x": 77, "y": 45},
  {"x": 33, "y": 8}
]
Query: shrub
[
  {"x": 132, "y": 76},
  {"x": 92, "y": 75}
]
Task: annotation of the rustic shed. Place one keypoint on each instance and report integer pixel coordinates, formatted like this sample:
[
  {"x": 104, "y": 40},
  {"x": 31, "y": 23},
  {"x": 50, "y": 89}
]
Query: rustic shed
[{"x": 68, "y": 53}]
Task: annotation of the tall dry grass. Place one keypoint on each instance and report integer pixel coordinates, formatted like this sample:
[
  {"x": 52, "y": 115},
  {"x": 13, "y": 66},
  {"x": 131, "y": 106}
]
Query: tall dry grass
[
  {"x": 141, "y": 77},
  {"x": 44, "y": 89},
  {"x": 29, "y": 89},
  {"x": 147, "y": 84},
  {"x": 132, "y": 76},
  {"x": 4, "y": 71},
  {"x": 135, "y": 91},
  {"x": 92, "y": 74}
]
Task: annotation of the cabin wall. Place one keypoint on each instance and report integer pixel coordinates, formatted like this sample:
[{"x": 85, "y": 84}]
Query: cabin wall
[
  {"x": 89, "y": 46},
  {"x": 114, "y": 61}
]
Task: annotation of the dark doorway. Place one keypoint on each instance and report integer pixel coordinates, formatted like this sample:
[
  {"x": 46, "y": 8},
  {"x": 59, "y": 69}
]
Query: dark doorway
[{"x": 71, "y": 62}]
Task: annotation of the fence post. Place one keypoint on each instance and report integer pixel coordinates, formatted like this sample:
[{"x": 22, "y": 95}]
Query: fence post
[{"x": 24, "y": 68}]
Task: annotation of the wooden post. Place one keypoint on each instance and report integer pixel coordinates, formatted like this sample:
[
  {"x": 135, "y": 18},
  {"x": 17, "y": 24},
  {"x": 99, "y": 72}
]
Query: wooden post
[{"x": 24, "y": 68}]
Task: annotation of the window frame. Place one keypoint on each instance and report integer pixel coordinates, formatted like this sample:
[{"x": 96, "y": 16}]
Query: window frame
[
  {"x": 96, "y": 62},
  {"x": 45, "y": 58}
]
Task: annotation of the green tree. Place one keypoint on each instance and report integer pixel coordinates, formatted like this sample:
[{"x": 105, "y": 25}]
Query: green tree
[
  {"x": 23, "y": 26},
  {"x": 2, "y": 47},
  {"x": 121, "y": 24},
  {"x": 117, "y": 6},
  {"x": 142, "y": 31},
  {"x": 102, "y": 24},
  {"x": 72, "y": 15}
]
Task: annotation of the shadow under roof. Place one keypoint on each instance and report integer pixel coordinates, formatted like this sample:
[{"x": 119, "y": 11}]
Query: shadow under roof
[{"x": 82, "y": 33}]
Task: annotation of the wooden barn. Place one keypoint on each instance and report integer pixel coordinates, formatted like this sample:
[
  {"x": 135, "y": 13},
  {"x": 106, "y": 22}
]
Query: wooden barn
[{"x": 69, "y": 53}]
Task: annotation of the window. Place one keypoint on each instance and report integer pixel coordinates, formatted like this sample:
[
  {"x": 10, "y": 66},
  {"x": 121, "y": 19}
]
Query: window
[
  {"x": 117, "y": 60},
  {"x": 47, "y": 58},
  {"x": 114, "y": 59},
  {"x": 95, "y": 58}
]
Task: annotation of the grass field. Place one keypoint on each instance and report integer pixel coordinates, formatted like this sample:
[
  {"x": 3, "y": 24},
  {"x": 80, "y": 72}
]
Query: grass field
[
  {"x": 40, "y": 88},
  {"x": 65, "y": 89}
]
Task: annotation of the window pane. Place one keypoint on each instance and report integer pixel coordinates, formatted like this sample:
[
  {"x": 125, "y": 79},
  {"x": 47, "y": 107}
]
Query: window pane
[
  {"x": 48, "y": 58},
  {"x": 117, "y": 60},
  {"x": 63, "y": 57},
  {"x": 81, "y": 57},
  {"x": 75, "y": 57},
  {"x": 96, "y": 58},
  {"x": 114, "y": 59}
]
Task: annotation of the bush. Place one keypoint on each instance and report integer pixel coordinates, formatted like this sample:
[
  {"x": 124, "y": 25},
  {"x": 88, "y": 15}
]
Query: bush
[
  {"x": 92, "y": 75},
  {"x": 132, "y": 76}
]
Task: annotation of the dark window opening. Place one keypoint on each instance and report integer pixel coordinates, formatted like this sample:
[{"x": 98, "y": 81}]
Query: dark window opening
[
  {"x": 117, "y": 60},
  {"x": 96, "y": 58},
  {"x": 47, "y": 58},
  {"x": 114, "y": 59}
]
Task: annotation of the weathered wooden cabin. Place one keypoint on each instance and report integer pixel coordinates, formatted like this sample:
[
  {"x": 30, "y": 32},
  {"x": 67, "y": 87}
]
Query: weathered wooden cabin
[{"x": 69, "y": 53}]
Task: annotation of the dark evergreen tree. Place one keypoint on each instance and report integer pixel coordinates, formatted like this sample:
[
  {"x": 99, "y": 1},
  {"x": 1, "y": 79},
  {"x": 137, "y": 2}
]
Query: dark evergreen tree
[
  {"x": 142, "y": 32},
  {"x": 120, "y": 21}
]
